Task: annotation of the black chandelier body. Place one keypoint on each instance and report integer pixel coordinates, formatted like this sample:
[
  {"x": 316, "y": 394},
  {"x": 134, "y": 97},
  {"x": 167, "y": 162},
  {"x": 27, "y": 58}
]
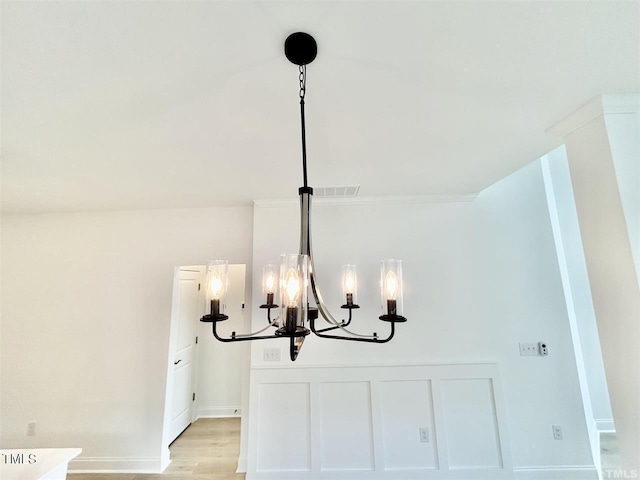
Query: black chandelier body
[{"x": 297, "y": 271}]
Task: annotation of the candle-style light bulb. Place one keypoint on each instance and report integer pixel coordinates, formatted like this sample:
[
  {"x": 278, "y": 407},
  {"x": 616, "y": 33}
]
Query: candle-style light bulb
[
  {"x": 391, "y": 285},
  {"x": 293, "y": 293},
  {"x": 216, "y": 286},
  {"x": 391, "y": 288},
  {"x": 292, "y": 287},
  {"x": 217, "y": 276},
  {"x": 271, "y": 282},
  {"x": 349, "y": 284}
]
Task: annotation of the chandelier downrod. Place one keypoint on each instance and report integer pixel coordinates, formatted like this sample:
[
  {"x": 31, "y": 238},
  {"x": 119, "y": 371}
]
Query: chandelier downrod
[{"x": 303, "y": 81}]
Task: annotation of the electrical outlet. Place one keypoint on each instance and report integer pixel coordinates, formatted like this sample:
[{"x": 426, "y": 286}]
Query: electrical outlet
[
  {"x": 424, "y": 434},
  {"x": 557, "y": 432},
  {"x": 528, "y": 349},
  {"x": 271, "y": 355},
  {"x": 543, "y": 349},
  {"x": 31, "y": 429}
]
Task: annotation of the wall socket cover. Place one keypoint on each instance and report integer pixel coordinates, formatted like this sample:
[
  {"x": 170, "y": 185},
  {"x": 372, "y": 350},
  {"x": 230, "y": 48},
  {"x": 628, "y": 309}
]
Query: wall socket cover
[
  {"x": 424, "y": 434},
  {"x": 557, "y": 432}
]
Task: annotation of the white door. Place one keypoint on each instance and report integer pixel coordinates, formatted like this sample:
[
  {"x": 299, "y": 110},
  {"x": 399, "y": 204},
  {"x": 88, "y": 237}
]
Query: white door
[{"x": 189, "y": 311}]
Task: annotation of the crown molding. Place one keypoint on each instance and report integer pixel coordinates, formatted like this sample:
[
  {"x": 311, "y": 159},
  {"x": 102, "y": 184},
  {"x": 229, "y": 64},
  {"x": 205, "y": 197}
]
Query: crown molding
[
  {"x": 597, "y": 106},
  {"x": 346, "y": 201}
]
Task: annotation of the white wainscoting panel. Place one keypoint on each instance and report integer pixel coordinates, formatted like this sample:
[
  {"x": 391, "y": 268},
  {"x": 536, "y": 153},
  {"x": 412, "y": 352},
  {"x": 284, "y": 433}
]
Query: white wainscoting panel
[
  {"x": 405, "y": 407},
  {"x": 346, "y": 441},
  {"x": 363, "y": 422},
  {"x": 283, "y": 427},
  {"x": 471, "y": 428}
]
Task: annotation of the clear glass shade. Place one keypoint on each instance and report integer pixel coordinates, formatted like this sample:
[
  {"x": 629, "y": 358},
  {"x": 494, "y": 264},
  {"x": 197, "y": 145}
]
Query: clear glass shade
[
  {"x": 349, "y": 284},
  {"x": 217, "y": 284},
  {"x": 391, "y": 286},
  {"x": 293, "y": 291}
]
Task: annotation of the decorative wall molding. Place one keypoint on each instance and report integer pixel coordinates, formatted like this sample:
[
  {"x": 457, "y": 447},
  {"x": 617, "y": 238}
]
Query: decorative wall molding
[
  {"x": 602, "y": 104},
  {"x": 391, "y": 200},
  {"x": 118, "y": 465},
  {"x": 308, "y": 423},
  {"x": 367, "y": 365},
  {"x": 219, "y": 412}
]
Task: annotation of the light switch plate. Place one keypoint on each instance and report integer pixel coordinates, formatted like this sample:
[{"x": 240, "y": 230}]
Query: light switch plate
[
  {"x": 271, "y": 355},
  {"x": 527, "y": 349}
]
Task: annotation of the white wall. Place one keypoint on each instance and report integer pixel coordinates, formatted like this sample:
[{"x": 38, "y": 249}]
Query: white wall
[
  {"x": 602, "y": 145},
  {"x": 521, "y": 289},
  {"x": 86, "y": 305},
  {"x": 580, "y": 292},
  {"x": 479, "y": 277},
  {"x": 623, "y": 131},
  {"x": 86, "y": 301}
]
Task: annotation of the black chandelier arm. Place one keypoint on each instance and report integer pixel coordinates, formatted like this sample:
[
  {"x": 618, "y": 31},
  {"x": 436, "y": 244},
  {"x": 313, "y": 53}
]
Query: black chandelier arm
[
  {"x": 236, "y": 338},
  {"x": 373, "y": 339},
  {"x": 271, "y": 322},
  {"x": 268, "y": 307},
  {"x": 328, "y": 329},
  {"x": 323, "y": 310},
  {"x": 342, "y": 324},
  {"x": 305, "y": 249}
]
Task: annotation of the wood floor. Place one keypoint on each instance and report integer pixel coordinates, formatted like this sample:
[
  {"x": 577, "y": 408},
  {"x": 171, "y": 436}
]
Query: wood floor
[{"x": 208, "y": 449}]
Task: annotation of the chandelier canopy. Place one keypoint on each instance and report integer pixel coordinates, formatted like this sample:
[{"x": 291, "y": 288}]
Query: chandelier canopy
[{"x": 290, "y": 283}]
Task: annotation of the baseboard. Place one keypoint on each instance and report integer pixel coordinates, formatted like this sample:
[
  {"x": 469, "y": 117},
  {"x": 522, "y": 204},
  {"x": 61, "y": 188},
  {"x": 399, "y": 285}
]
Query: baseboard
[
  {"x": 400, "y": 474},
  {"x": 595, "y": 451},
  {"x": 242, "y": 465},
  {"x": 219, "y": 412},
  {"x": 605, "y": 425},
  {"x": 568, "y": 472},
  {"x": 117, "y": 465},
  {"x": 165, "y": 460}
]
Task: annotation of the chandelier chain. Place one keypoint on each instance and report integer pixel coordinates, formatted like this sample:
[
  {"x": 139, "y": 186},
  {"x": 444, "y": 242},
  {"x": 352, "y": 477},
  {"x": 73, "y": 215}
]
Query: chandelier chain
[{"x": 303, "y": 80}]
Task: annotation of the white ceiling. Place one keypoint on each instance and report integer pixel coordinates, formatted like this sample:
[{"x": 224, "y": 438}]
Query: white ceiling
[{"x": 138, "y": 104}]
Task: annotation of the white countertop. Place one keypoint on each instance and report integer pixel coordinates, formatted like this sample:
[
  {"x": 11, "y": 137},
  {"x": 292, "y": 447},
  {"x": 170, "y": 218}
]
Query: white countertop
[{"x": 36, "y": 463}]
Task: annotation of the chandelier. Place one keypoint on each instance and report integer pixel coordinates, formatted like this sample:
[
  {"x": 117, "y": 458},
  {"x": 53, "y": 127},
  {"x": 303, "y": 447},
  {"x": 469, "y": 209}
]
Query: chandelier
[{"x": 290, "y": 282}]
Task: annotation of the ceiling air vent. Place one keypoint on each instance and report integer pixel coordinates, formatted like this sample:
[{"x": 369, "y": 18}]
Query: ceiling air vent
[{"x": 337, "y": 191}]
